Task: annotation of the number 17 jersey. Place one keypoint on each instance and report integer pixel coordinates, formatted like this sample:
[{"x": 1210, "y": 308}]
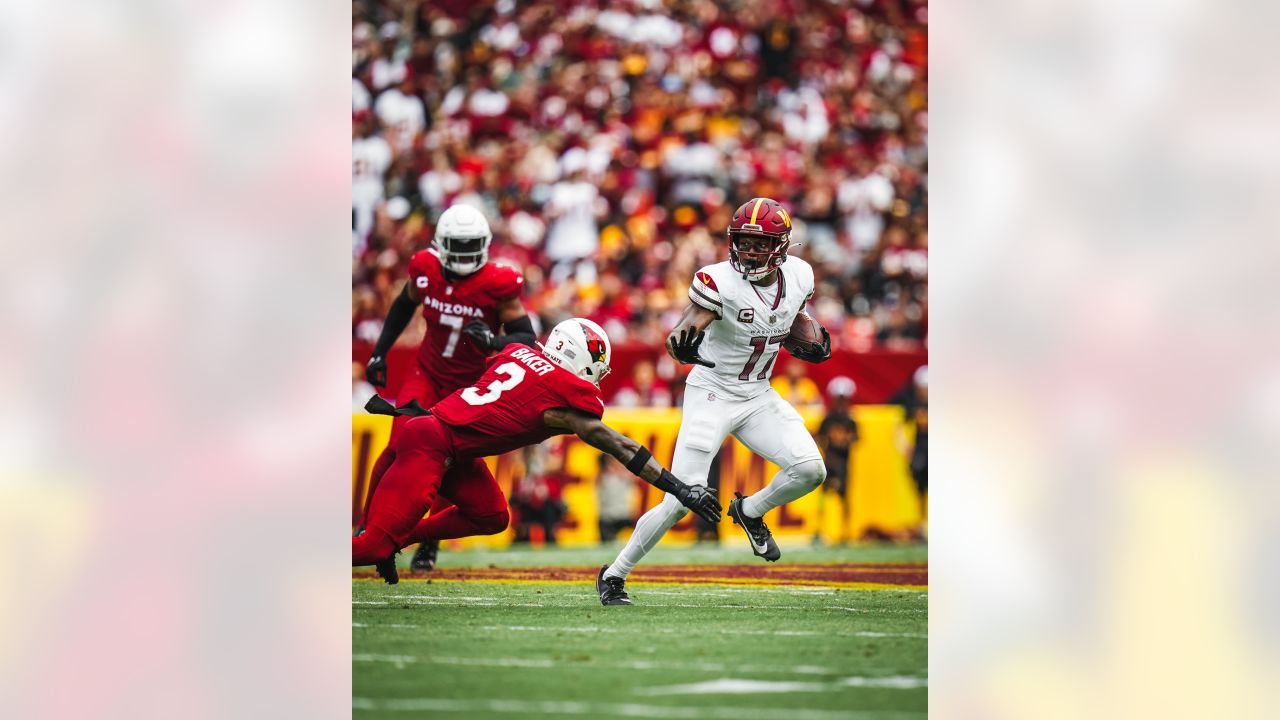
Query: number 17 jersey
[
  {"x": 503, "y": 410},
  {"x": 751, "y": 322}
]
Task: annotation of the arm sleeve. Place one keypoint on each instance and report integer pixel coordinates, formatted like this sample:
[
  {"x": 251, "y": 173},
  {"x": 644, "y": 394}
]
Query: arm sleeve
[
  {"x": 704, "y": 293},
  {"x": 398, "y": 318},
  {"x": 586, "y": 399}
]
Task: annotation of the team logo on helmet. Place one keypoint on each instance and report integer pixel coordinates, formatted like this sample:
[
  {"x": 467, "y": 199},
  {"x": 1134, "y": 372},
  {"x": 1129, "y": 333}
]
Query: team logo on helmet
[{"x": 595, "y": 344}]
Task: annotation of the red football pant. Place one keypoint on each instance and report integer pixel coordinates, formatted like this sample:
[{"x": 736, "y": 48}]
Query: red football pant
[
  {"x": 420, "y": 473},
  {"x": 417, "y": 386}
]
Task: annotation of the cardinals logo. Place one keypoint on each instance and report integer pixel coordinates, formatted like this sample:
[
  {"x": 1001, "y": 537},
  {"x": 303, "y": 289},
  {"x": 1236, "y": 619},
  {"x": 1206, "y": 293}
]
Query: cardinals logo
[{"x": 595, "y": 344}]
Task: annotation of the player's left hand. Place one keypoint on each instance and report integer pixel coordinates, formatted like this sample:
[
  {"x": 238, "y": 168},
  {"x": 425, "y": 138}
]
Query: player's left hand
[
  {"x": 814, "y": 353},
  {"x": 702, "y": 500},
  {"x": 481, "y": 333}
]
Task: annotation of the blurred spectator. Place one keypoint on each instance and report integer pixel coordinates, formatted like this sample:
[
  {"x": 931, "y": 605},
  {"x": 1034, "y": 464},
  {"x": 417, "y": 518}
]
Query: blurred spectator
[
  {"x": 794, "y": 384},
  {"x": 361, "y": 390},
  {"x": 608, "y": 143},
  {"x": 615, "y": 496},
  {"x": 644, "y": 389},
  {"x": 836, "y": 437},
  {"x": 914, "y": 399},
  {"x": 536, "y": 496}
]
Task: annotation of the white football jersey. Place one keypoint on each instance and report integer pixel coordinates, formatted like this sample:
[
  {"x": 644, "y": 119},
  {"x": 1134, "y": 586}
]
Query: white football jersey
[
  {"x": 751, "y": 323},
  {"x": 370, "y": 159}
]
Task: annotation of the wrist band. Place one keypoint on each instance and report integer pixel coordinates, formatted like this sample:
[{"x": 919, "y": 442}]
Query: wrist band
[
  {"x": 637, "y": 463},
  {"x": 668, "y": 483}
]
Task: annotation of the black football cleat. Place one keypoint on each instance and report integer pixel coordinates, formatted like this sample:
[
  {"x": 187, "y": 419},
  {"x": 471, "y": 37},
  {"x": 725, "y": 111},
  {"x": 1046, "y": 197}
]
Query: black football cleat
[
  {"x": 612, "y": 590},
  {"x": 762, "y": 543},
  {"x": 387, "y": 570},
  {"x": 424, "y": 558}
]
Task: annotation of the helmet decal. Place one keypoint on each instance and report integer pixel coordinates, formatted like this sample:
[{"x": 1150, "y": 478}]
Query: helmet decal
[{"x": 595, "y": 345}]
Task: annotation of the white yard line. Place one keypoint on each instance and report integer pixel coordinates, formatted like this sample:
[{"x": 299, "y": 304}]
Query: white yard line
[
  {"x": 561, "y": 708},
  {"x": 678, "y": 631},
  {"x": 402, "y": 660},
  {"x": 737, "y": 686}
]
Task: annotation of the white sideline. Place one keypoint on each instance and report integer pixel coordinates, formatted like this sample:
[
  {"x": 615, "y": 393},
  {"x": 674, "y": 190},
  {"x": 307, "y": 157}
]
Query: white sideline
[{"x": 663, "y": 712}]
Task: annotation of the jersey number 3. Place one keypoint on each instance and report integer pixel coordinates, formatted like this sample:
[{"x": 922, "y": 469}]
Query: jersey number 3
[{"x": 514, "y": 373}]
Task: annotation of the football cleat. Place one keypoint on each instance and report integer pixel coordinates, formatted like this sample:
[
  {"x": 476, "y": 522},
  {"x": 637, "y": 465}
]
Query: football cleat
[
  {"x": 612, "y": 590},
  {"x": 387, "y": 570},
  {"x": 762, "y": 543},
  {"x": 424, "y": 558}
]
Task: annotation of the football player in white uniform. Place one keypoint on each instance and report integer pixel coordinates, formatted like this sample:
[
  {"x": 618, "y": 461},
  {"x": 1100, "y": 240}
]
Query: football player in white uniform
[{"x": 739, "y": 316}]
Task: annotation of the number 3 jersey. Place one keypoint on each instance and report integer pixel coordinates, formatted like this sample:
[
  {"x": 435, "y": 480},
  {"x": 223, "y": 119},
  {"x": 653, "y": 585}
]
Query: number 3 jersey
[
  {"x": 503, "y": 410},
  {"x": 751, "y": 322},
  {"x": 447, "y": 355}
]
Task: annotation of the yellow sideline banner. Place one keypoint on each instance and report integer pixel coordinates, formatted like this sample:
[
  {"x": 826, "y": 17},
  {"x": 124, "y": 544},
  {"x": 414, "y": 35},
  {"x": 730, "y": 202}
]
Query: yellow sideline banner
[{"x": 880, "y": 497}]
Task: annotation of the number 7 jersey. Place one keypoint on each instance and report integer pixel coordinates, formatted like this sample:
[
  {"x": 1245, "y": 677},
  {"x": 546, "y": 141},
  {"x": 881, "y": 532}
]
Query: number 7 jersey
[
  {"x": 447, "y": 355},
  {"x": 751, "y": 322},
  {"x": 503, "y": 410}
]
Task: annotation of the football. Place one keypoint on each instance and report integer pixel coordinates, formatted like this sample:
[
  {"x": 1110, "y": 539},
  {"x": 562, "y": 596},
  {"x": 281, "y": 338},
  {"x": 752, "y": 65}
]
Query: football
[{"x": 804, "y": 331}]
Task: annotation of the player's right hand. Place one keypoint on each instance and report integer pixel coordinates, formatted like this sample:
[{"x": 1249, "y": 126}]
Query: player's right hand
[
  {"x": 684, "y": 345},
  {"x": 702, "y": 500},
  {"x": 376, "y": 371}
]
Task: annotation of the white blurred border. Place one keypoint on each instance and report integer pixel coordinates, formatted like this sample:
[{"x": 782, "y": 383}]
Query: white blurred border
[
  {"x": 173, "y": 437},
  {"x": 1103, "y": 359}
]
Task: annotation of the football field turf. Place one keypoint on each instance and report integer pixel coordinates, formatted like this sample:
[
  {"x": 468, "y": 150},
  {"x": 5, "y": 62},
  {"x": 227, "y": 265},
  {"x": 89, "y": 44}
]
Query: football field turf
[{"x": 825, "y": 633}]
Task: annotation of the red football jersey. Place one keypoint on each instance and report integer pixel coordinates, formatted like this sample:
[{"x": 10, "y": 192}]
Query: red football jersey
[
  {"x": 449, "y": 356},
  {"x": 503, "y": 410}
]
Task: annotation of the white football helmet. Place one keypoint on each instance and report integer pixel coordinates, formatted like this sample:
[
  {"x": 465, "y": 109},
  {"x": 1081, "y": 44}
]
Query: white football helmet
[
  {"x": 462, "y": 239},
  {"x": 581, "y": 347}
]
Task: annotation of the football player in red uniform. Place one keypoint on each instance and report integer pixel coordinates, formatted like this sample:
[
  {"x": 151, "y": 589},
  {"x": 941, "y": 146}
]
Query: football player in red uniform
[
  {"x": 465, "y": 299},
  {"x": 524, "y": 397}
]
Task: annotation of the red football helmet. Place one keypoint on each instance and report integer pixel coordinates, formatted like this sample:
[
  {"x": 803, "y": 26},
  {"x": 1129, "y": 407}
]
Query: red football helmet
[{"x": 759, "y": 237}]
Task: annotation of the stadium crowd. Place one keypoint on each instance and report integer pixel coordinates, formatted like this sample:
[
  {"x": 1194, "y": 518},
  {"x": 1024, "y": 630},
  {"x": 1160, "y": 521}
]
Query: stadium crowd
[{"x": 608, "y": 144}]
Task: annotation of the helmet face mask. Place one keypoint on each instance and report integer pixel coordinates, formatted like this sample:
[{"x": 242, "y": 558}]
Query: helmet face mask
[
  {"x": 759, "y": 237},
  {"x": 463, "y": 255},
  {"x": 462, "y": 239}
]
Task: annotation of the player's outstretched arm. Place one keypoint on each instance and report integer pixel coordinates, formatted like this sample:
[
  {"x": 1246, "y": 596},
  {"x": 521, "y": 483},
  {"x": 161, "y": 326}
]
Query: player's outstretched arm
[
  {"x": 637, "y": 458},
  {"x": 686, "y": 337},
  {"x": 398, "y": 318}
]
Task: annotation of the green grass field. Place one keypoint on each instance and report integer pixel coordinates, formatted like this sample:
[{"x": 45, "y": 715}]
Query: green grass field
[{"x": 485, "y": 649}]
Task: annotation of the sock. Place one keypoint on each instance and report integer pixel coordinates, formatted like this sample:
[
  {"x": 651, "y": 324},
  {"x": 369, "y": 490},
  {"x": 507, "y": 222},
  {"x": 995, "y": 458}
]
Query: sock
[
  {"x": 371, "y": 547},
  {"x": 794, "y": 482},
  {"x": 649, "y": 530}
]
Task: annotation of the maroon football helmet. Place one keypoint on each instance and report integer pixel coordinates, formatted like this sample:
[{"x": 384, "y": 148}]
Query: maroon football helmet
[{"x": 759, "y": 236}]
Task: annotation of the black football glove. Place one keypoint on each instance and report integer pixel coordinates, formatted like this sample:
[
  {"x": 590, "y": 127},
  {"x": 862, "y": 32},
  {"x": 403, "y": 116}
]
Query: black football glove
[
  {"x": 702, "y": 500},
  {"x": 481, "y": 333},
  {"x": 376, "y": 371},
  {"x": 812, "y": 352},
  {"x": 684, "y": 347}
]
